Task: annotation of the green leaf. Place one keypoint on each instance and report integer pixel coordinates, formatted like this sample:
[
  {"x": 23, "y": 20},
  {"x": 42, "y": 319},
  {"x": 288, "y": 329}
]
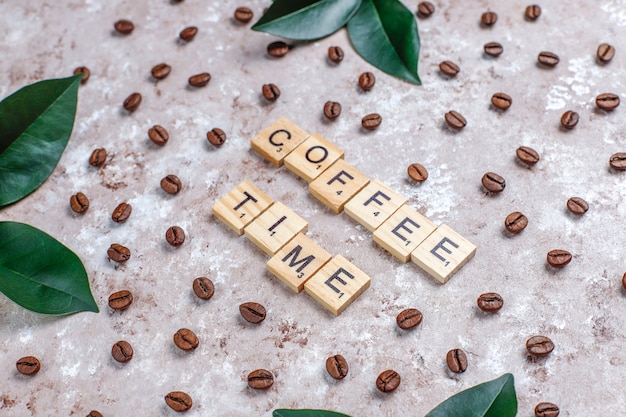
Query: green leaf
[
  {"x": 40, "y": 274},
  {"x": 384, "y": 33},
  {"x": 306, "y": 413},
  {"x": 35, "y": 125},
  {"x": 306, "y": 19},
  {"x": 490, "y": 399}
]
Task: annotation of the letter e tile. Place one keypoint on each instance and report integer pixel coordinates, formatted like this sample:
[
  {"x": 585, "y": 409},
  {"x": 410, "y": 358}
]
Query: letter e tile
[
  {"x": 274, "y": 227},
  {"x": 276, "y": 141},
  {"x": 241, "y": 205}
]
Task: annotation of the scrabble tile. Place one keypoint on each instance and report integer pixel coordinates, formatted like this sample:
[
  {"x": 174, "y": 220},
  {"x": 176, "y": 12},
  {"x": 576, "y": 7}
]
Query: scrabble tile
[
  {"x": 337, "y": 185},
  {"x": 274, "y": 227},
  {"x": 312, "y": 157},
  {"x": 373, "y": 205},
  {"x": 276, "y": 141},
  {"x": 403, "y": 232},
  {"x": 337, "y": 284},
  {"x": 241, "y": 205},
  {"x": 297, "y": 261},
  {"x": 443, "y": 253}
]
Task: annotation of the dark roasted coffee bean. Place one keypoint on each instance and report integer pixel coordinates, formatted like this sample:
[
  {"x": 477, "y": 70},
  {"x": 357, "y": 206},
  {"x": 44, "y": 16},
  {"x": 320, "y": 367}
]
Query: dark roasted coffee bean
[
  {"x": 335, "y": 54},
  {"x": 607, "y": 101},
  {"x": 425, "y": 9},
  {"x": 546, "y": 410},
  {"x": 86, "y": 73},
  {"x": 132, "y": 102},
  {"x": 409, "y": 318},
  {"x": 252, "y": 312},
  {"x": 605, "y": 53},
  {"x": 624, "y": 280},
  {"x": 558, "y": 258},
  {"x": 158, "y": 135},
  {"x": 97, "y": 158},
  {"x": 371, "y": 121},
  {"x": 449, "y": 68},
  {"x": 270, "y": 92},
  {"x": 188, "y": 33},
  {"x": 260, "y": 379},
  {"x": 456, "y": 360},
  {"x": 118, "y": 253},
  {"x": 548, "y": 59},
  {"x": 199, "y": 80},
  {"x": 161, "y": 71},
  {"x": 417, "y": 172},
  {"x": 332, "y": 110},
  {"x": 515, "y": 222},
  {"x": 493, "y": 182},
  {"x": 527, "y": 155},
  {"x": 277, "y": 49},
  {"x": 489, "y": 18},
  {"x": 539, "y": 345},
  {"x": 216, "y": 136},
  {"x": 203, "y": 288},
  {"x": 178, "y": 401},
  {"x": 122, "y": 351},
  {"x": 493, "y": 49},
  {"x": 28, "y": 365},
  {"x": 120, "y": 300},
  {"x": 79, "y": 203},
  {"x": 455, "y": 120},
  {"x": 185, "y": 339},
  {"x": 171, "y": 184},
  {"x": 95, "y": 413},
  {"x": 532, "y": 12},
  {"x": 501, "y": 101},
  {"x": 367, "y": 81},
  {"x": 123, "y": 26},
  {"x": 490, "y": 302},
  {"x": 175, "y": 236},
  {"x": 577, "y": 205},
  {"x": 618, "y": 161},
  {"x": 388, "y": 381},
  {"x": 122, "y": 212},
  {"x": 337, "y": 367},
  {"x": 243, "y": 14},
  {"x": 569, "y": 119}
]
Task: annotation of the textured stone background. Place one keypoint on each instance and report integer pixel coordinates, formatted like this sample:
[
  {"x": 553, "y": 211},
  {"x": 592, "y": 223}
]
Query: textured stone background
[{"x": 581, "y": 307}]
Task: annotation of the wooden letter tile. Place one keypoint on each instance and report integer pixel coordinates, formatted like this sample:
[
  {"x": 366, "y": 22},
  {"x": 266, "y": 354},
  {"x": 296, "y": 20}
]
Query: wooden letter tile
[
  {"x": 297, "y": 261},
  {"x": 443, "y": 253},
  {"x": 276, "y": 141},
  {"x": 337, "y": 185},
  {"x": 312, "y": 157},
  {"x": 274, "y": 227},
  {"x": 337, "y": 284},
  {"x": 373, "y": 205},
  {"x": 241, "y": 205},
  {"x": 403, "y": 232}
]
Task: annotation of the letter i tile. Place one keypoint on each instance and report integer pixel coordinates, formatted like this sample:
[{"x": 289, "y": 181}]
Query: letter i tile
[{"x": 274, "y": 227}]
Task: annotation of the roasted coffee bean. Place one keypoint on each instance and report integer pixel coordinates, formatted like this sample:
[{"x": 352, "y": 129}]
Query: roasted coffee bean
[
  {"x": 605, "y": 53},
  {"x": 28, "y": 365},
  {"x": 252, "y": 312},
  {"x": 501, "y": 101},
  {"x": 260, "y": 379},
  {"x": 548, "y": 59},
  {"x": 539, "y": 345},
  {"x": 618, "y": 161},
  {"x": 86, "y": 73},
  {"x": 332, "y": 110},
  {"x": 97, "y": 158},
  {"x": 417, "y": 172},
  {"x": 243, "y": 14},
  {"x": 199, "y": 80},
  {"x": 569, "y": 119},
  {"x": 489, "y": 18},
  {"x": 457, "y": 361},
  {"x": 624, "y": 280},
  {"x": 515, "y": 222},
  {"x": 371, "y": 121},
  {"x": 132, "y": 102},
  {"x": 120, "y": 300},
  {"x": 175, "y": 236},
  {"x": 409, "y": 318},
  {"x": 158, "y": 135},
  {"x": 455, "y": 120},
  {"x": 425, "y": 9},
  {"x": 171, "y": 184},
  {"x": 558, "y": 258},
  {"x": 122, "y": 351},
  {"x": 532, "y": 12},
  {"x": 493, "y": 182},
  {"x": 527, "y": 155},
  {"x": 188, "y": 33},
  {"x": 94, "y": 413},
  {"x": 577, "y": 205},
  {"x": 178, "y": 401},
  {"x": 118, "y": 253},
  {"x": 449, "y": 68},
  {"x": 335, "y": 54},
  {"x": 123, "y": 26},
  {"x": 160, "y": 71},
  {"x": 185, "y": 339},
  {"x": 216, "y": 136},
  {"x": 490, "y": 302},
  {"x": 337, "y": 367},
  {"x": 493, "y": 49},
  {"x": 546, "y": 410},
  {"x": 270, "y": 92},
  {"x": 277, "y": 49},
  {"x": 367, "y": 81},
  {"x": 121, "y": 213},
  {"x": 203, "y": 288},
  {"x": 607, "y": 101},
  {"x": 79, "y": 203},
  {"x": 388, "y": 381}
]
